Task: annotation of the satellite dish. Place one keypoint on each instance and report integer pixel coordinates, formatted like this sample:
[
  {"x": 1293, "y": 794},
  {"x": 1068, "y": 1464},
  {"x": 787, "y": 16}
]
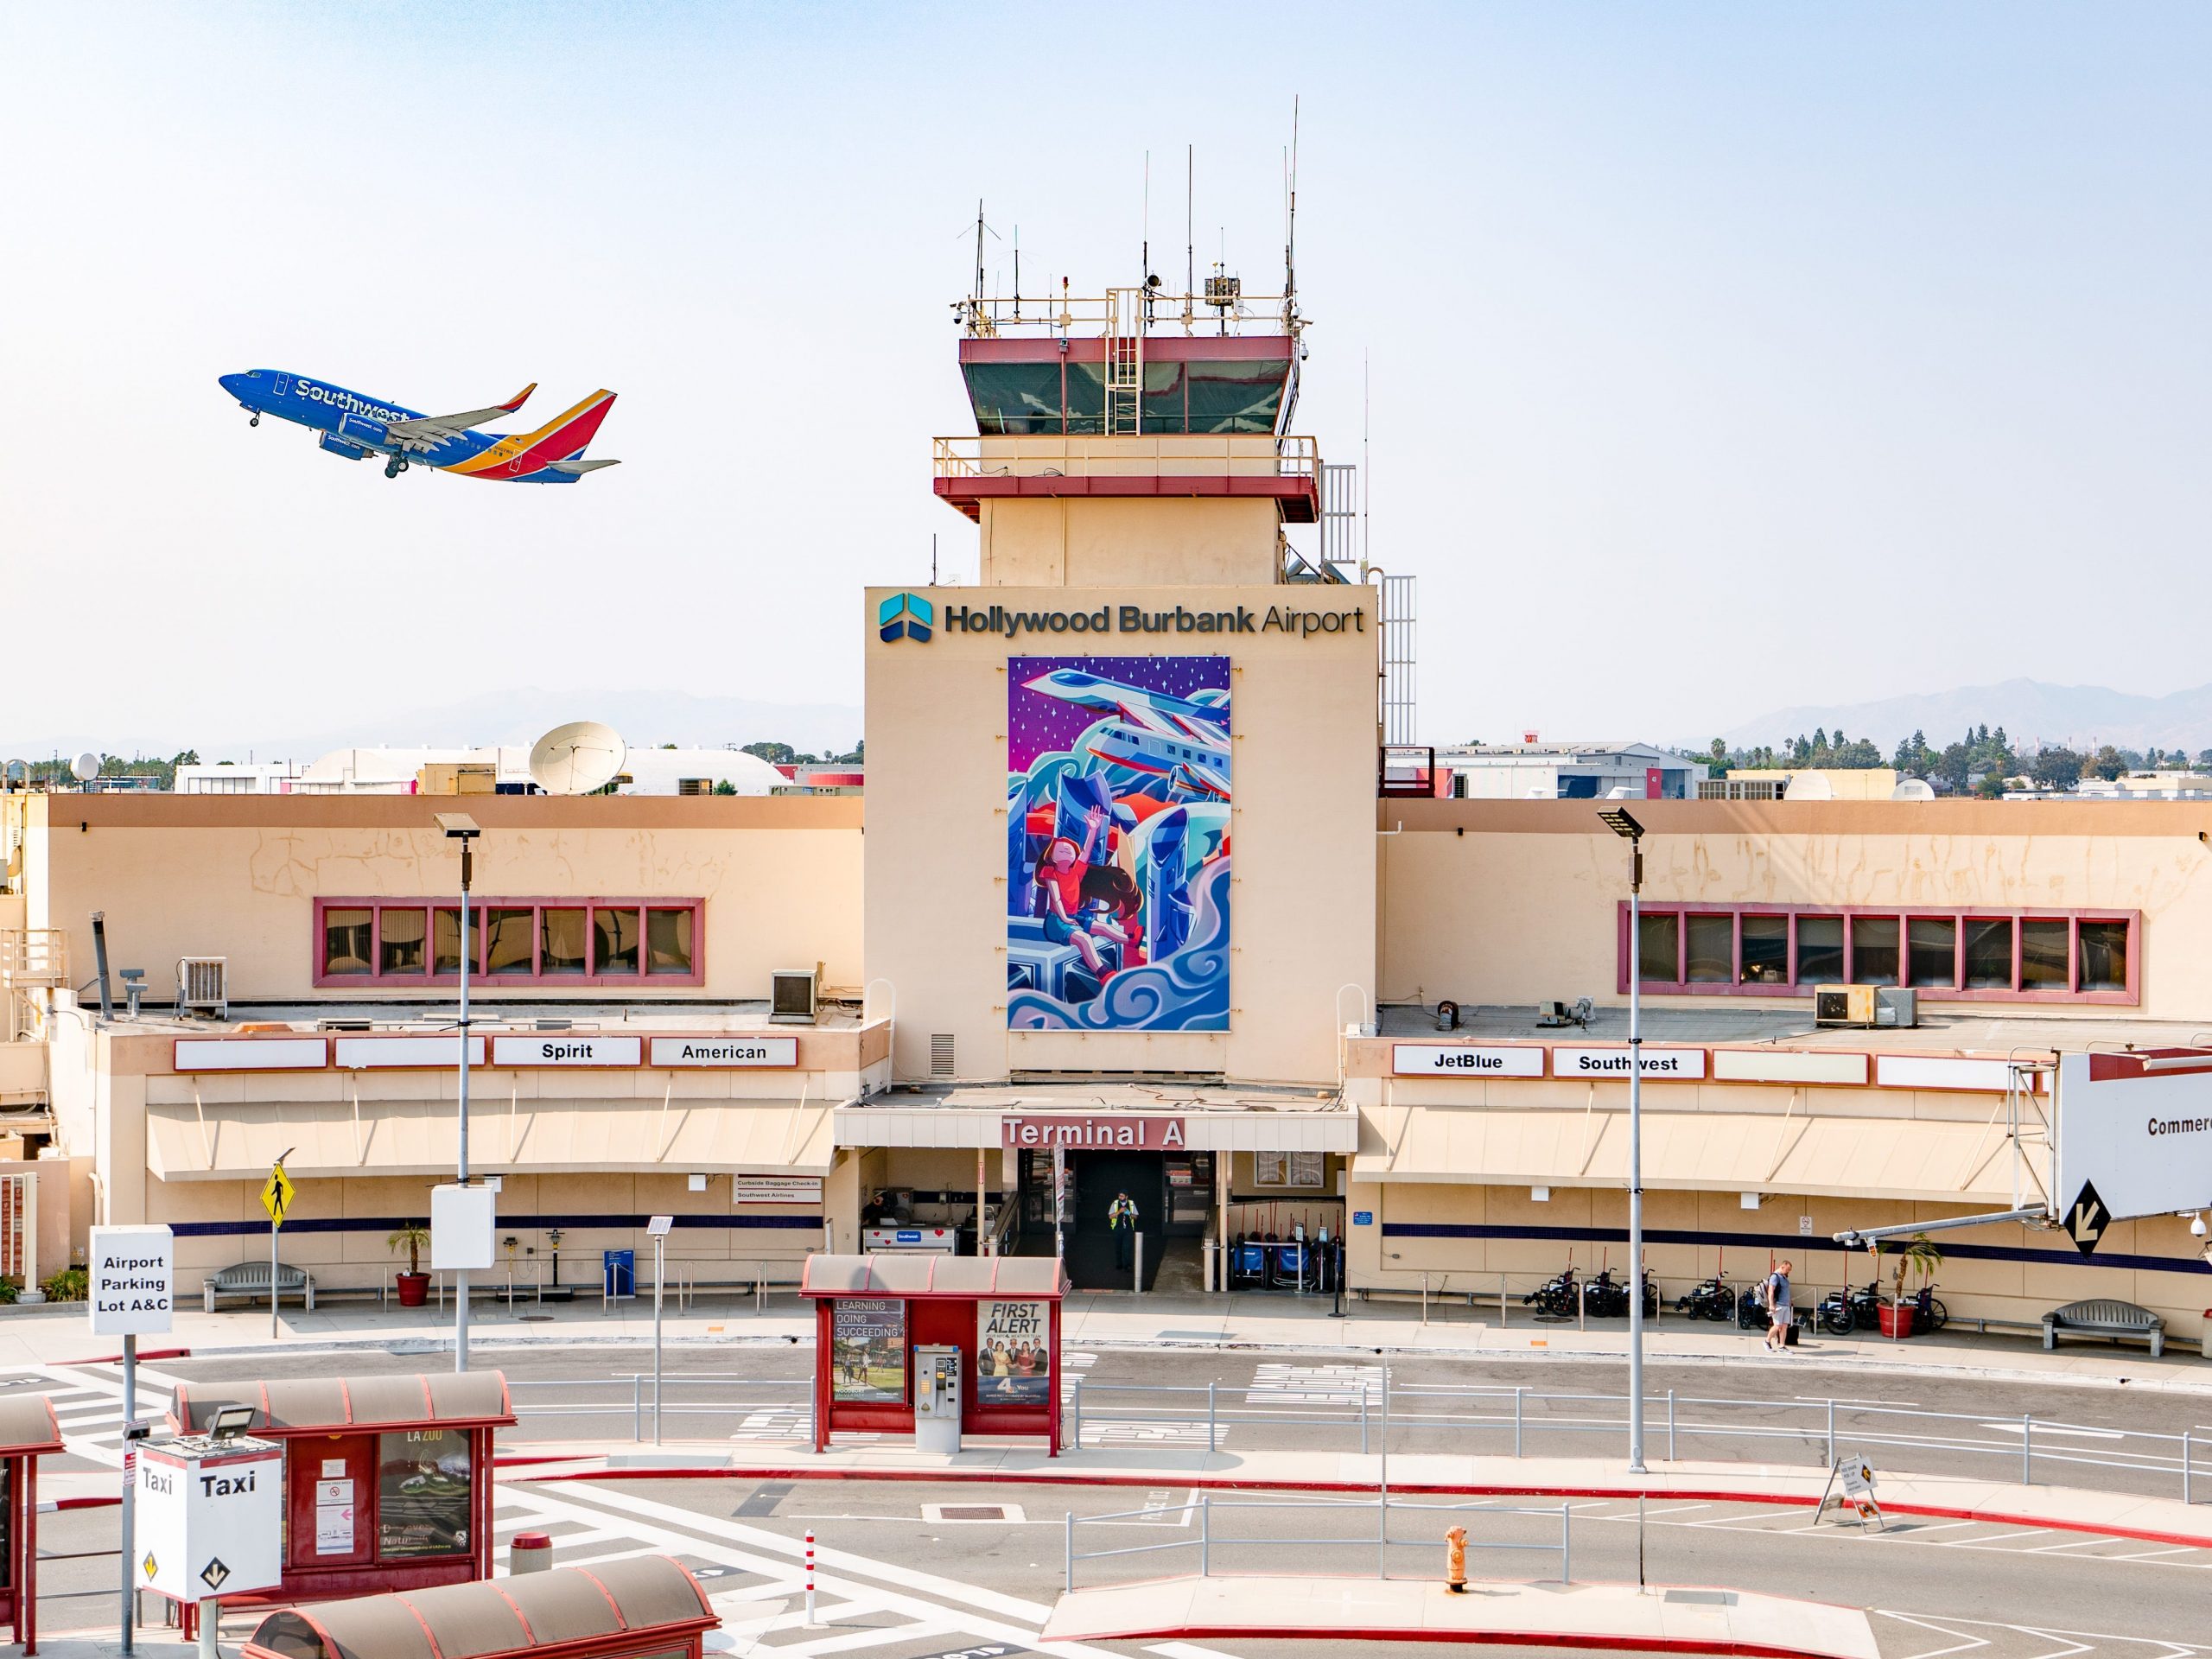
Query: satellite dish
[
  {"x": 85, "y": 768},
  {"x": 1913, "y": 789},
  {"x": 577, "y": 758}
]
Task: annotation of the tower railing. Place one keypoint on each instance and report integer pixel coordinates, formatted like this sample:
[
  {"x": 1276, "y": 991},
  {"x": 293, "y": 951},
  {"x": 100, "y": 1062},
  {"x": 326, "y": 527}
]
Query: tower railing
[{"x": 1151, "y": 454}]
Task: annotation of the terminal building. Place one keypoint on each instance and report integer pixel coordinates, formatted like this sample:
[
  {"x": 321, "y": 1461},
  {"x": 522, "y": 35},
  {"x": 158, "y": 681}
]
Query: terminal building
[{"x": 1129, "y": 908}]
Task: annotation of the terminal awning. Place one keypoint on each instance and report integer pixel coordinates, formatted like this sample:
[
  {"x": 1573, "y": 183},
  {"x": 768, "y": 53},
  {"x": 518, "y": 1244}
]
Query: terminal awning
[
  {"x": 1855, "y": 1157},
  {"x": 188, "y": 1142}
]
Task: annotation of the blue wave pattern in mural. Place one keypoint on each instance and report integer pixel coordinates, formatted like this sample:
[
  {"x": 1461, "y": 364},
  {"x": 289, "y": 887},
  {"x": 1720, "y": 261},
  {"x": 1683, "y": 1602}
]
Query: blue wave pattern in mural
[
  {"x": 1187, "y": 991},
  {"x": 1117, "y": 843}
]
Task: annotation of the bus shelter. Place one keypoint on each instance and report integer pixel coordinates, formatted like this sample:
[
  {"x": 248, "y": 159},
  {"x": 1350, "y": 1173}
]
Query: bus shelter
[
  {"x": 28, "y": 1432},
  {"x": 387, "y": 1480},
  {"x": 645, "y": 1607},
  {"x": 873, "y": 1311}
]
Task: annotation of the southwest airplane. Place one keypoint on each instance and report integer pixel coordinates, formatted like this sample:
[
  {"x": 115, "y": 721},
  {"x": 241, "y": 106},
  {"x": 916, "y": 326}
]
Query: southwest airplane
[{"x": 356, "y": 426}]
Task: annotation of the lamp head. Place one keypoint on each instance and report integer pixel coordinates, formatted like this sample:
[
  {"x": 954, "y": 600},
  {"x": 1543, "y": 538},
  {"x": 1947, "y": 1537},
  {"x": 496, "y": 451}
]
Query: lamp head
[
  {"x": 2196, "y": 1226},
  {"x": 1617, "y": 820},
  {"x": 458, "y": 826}
]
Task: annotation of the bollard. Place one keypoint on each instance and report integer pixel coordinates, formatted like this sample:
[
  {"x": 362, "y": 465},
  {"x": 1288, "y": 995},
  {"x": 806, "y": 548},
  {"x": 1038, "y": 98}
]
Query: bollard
[
  {"x": 211, "y": 1620},
  {"x": 810, "y": 1576},
  {"x": 2027, "y": 1448},
  {"x": 2185, "y": 1469},
  {"x": 1516, "y": 1422},
  {"x": 530, "y": 1552},
  {"x": 1670, "y": 1429},
  {"x": 1078, "y": 1404},
  {"x": 1209, "y": 1415},
  {"x": 1455, "y": 1560}
]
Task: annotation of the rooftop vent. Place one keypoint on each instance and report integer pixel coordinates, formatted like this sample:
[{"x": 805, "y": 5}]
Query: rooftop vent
[{"x": 793, "y": 993}]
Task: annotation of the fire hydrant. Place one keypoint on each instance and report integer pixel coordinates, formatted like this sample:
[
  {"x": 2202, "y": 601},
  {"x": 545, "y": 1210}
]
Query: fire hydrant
[{"x": 1455, "y": 1561}]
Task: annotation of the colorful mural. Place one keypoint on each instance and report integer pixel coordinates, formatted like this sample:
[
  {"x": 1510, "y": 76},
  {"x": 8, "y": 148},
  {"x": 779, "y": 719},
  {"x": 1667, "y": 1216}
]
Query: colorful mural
[{"x": 1117, "y": 843}]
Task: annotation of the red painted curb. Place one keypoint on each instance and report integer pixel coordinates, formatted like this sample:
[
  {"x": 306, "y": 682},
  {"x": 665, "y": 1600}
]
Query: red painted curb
[
  {"x": 117, "y": 1359},
  {"x": 1217, "y": 1483},
  {"x": 1509, "y": 1639},
  {"x": 83, "y": 1502}
]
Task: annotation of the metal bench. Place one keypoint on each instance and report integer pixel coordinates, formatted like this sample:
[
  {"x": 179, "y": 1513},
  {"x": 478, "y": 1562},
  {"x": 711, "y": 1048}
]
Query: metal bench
[
  {"x": 2104, "y": 1318},
  {"x": 250, "y": 1281}
]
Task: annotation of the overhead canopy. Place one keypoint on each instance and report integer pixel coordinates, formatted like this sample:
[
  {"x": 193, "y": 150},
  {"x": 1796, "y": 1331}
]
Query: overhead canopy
[
  {"x": 920, "y": 1276},
  {"x": 28, "y": 1425},
  {"x": 1852, "y": 1157},
  {"x": 644, "y": 1596},
  {"x": 235, "y": 1140},
  {"x": 440, "y": 1400}
]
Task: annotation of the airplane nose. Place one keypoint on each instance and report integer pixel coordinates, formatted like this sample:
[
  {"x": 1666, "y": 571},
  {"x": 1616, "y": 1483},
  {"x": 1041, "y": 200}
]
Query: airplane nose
[{"x": 232, "y": 384}]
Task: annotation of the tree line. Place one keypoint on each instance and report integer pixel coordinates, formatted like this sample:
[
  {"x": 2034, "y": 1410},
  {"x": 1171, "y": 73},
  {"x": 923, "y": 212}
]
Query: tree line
[{"x": 1979, "y": 763}]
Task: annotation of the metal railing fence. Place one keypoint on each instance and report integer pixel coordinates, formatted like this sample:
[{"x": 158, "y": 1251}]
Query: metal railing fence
[
  {"x": 630, "y": 1394},
  {"x": 1374, "y": 1409},
  {"x": 1378, "y": 1538}
]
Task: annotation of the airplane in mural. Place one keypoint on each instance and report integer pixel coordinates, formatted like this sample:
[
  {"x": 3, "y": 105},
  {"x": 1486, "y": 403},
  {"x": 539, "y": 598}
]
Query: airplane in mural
[
  {"x": 355, "y": 427},
  {"x": 1183, "y": 743}
]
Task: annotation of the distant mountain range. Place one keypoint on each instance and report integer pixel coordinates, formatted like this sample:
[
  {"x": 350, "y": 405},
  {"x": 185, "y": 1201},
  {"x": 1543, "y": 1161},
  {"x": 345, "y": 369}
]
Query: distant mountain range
[
  {"x": 2033, "y": 713},
  {"x": 645, "y": 719}
]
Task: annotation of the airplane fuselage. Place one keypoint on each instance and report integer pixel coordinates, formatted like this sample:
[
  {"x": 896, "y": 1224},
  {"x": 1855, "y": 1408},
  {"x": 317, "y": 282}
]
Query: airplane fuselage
[{"x": 356, "y": 426}]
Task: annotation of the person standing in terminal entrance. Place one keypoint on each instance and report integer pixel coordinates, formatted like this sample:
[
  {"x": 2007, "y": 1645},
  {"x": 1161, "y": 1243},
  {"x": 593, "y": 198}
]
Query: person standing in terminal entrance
[{"x": 1122, "y": 1221}]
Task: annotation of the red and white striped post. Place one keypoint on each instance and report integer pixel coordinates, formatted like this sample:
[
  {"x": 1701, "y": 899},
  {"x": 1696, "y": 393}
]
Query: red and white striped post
[{"x": 809, "y": 1577}]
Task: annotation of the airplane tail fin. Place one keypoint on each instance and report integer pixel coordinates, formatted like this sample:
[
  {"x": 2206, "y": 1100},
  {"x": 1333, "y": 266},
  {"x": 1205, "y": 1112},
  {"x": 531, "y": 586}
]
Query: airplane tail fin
[{"x": 565, "y": 436}]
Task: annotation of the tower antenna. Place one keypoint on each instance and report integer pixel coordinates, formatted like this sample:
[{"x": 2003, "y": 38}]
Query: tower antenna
[
  {"x": 1017, "y": 273},
  {"x": 1190, "y": 246},
  {"x": 1290, "y": 233},
  {"x": 932, "y": 558}
]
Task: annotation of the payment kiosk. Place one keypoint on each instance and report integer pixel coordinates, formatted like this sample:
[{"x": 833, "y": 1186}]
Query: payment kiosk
[{"x": 936, "y": 1399}]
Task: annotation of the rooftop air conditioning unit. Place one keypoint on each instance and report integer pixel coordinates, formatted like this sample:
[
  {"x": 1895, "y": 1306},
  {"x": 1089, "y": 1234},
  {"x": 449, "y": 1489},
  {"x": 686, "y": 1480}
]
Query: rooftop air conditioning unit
[
  {"x": 792, "y": 993},
  {"x": 202, "y": 984},
  {"x": 1868, "y": 1007}
]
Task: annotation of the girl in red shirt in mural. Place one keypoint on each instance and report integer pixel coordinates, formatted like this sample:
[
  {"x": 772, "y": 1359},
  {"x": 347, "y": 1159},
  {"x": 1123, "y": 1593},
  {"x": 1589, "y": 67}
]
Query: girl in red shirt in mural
[{"x": 1060, "y": 874}]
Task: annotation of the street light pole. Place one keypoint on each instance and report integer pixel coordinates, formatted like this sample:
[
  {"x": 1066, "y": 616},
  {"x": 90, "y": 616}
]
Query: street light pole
[
  {"x": 1621, "y": 824},
  {"x": 459, "y": 826}
]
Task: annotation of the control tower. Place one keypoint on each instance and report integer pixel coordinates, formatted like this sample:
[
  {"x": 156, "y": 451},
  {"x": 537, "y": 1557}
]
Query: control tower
[{"x": 1121, "y": 792}]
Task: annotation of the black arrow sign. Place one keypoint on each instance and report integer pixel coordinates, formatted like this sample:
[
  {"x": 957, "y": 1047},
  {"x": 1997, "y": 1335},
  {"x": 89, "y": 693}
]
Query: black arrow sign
[
  {"x": 2085, "y": 1220},
  {"x": 214, "y": 1572}
]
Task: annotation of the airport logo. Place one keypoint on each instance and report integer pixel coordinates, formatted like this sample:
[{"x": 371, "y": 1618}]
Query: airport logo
[{"x": 905, "y": 616}]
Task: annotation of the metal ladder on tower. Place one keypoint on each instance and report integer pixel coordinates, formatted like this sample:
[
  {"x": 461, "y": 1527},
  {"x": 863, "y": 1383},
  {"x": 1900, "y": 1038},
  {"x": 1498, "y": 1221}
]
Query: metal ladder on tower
[{"x": 1124, "y": 360}]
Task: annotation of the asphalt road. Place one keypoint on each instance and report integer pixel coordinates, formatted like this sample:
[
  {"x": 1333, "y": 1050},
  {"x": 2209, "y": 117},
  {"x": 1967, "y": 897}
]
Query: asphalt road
[{"x": 756, "y": 1393}]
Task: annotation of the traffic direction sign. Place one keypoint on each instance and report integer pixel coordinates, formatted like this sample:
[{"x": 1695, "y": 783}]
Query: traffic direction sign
[
  {"x": 2086, "y": 1218},
  {"x": 276, "y": 1195}
]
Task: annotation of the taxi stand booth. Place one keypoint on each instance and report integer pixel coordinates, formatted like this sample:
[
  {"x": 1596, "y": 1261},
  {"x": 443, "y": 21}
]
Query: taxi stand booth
[
  {"x": 936, "y": 1346},
  {"x": 645, "y": 1607},
  {"x": 28, "y": 1432},
  {"x": 387, "y": 1480}
]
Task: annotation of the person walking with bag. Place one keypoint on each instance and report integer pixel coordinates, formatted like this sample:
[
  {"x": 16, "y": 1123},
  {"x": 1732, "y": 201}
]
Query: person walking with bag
[{"x": 1778, "y": 1308}]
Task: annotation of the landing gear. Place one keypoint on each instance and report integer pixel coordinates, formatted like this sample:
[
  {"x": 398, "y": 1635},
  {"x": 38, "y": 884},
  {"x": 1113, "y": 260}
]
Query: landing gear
[
  {"x": 394, "y": 467},
  {"x": 256, "y": 420}
]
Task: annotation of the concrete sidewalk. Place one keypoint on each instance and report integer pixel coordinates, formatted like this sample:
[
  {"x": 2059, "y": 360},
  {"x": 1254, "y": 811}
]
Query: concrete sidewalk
[
  {"x": 55, "y": 1335},
  {"x": 1613, "y": 1616}
]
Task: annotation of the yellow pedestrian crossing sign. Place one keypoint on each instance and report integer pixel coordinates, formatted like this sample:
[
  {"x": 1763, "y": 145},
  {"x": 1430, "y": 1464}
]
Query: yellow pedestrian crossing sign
[{"x": 276, "y": 1195}]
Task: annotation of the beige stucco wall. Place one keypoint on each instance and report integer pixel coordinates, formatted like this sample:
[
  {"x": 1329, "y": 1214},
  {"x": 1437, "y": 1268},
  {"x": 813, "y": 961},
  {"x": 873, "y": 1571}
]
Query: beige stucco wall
[
  {"x": 1514, "y": 902},
  {"x": 1092, "y": 542},
  {"x": 238, "y": 876},
  {"x": 1302, "y": 834}
]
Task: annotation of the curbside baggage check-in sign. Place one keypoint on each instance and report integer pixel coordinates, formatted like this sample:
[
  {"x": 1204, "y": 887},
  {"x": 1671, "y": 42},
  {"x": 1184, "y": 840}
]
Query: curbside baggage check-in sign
[{"x": 131, "y": 1276}]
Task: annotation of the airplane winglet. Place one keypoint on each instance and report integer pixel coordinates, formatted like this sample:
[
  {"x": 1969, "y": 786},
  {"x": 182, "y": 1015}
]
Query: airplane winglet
[{"x": 519, "y": 398}]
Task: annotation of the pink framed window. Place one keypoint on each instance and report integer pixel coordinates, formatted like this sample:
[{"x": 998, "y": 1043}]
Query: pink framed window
[
  {"x": 407, "y": 943},
  {"x": 1968, "y": 956}
]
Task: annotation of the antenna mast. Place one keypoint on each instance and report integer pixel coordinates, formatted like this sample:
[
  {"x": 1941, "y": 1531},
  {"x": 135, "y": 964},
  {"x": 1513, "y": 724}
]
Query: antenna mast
[
  {"x": 1190, "y": 248},
  {"x": 1290, "y": 233}
]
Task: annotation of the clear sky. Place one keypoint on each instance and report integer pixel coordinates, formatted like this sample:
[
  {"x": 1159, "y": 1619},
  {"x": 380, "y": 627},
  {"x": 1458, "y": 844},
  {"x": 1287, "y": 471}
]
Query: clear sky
[{"x": 1722, "y": 356}]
